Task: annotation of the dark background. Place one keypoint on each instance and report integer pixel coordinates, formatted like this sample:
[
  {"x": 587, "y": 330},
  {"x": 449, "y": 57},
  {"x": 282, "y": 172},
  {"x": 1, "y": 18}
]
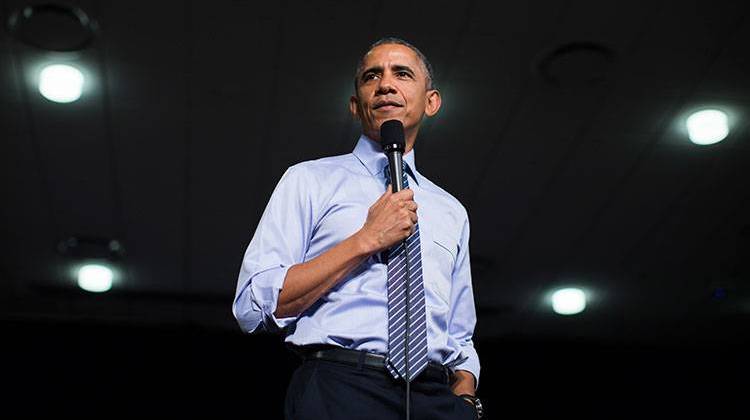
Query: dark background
[
  {"x": 567, "y": 118},
  {"x": 103, "y": 371}
]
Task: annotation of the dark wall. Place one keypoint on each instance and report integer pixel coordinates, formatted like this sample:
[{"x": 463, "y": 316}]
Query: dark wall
[{"x": 107, "y": 371}]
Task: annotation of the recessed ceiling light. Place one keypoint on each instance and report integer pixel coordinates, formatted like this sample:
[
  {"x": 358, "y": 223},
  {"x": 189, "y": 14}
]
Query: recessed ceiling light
[
  {"x": 95, "y": 278},
  {"x": 708, "y": 126},
  {"x": 576, "y": 64},
  {"x": 61, "y": 83},
  {"x": 568, "y": 301},
  {"x": 53, "y": 26}
]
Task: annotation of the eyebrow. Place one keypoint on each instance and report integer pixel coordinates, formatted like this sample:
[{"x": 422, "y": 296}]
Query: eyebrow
[
  {"x": 395, "y": 67},
  {"x": 400, "y": 67}
]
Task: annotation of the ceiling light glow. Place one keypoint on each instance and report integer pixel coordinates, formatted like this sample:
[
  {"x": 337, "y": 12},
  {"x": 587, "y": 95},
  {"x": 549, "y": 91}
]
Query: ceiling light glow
[
  {"x": 95, "y": 278},
  {"x": 568, "y": 301},
  {"x": 708, "y": 126},
  {"x": 61, "y": 83}
]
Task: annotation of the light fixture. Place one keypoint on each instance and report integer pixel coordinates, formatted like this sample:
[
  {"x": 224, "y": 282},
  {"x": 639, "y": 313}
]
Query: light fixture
[
  {"x": 96, "y": 261},
  {"x": 95, "y": 278},
  {"x": 708, "y": 126},
  {"x": 568, "y": 301},
  {"x": 61, "y": 83},
  {"x": 53, "y": 26}
]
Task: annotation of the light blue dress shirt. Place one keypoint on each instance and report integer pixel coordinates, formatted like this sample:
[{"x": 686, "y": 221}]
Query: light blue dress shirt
[{"x": 318, "y": 204}]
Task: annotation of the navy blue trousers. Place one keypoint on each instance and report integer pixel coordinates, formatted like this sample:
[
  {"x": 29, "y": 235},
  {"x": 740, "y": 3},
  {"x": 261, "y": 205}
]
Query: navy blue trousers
[{"x": 323, "y": 390}]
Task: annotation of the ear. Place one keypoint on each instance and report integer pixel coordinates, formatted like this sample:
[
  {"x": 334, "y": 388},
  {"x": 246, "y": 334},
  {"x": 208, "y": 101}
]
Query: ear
[
  {"x": 354, "y": 106},
  {"x": 433, "y": 102}
]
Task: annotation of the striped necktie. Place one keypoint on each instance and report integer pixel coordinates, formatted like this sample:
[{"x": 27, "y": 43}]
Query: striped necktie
[{"x": 398, "y": 320}]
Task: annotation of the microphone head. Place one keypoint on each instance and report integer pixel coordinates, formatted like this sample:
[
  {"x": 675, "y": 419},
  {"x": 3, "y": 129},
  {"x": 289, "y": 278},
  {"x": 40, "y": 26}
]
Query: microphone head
[{"x": 392, "y": 136}]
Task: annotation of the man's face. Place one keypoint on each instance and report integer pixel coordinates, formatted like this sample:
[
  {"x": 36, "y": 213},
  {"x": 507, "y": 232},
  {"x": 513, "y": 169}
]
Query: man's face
[{"x": 393, "y": 85}]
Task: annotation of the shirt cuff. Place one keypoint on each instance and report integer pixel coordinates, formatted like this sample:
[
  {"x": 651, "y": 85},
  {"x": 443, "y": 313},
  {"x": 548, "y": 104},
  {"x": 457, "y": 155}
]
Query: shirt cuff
[
  {"x": 257, "y": 304},
  {"x": 471, "y": 364}
]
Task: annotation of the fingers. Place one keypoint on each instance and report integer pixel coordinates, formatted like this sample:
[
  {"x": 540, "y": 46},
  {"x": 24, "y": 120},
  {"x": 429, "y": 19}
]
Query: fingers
[
  {"x": 405, "y": 194},
  {"x": 402, "y": 199},
  {"x": 386, "y": 195},
  {"x": 406, "y": 227},
  {"x": 409, "y": 206},
  {"x": 388, "y": 191},
  {"x": 410, "y": 229}
]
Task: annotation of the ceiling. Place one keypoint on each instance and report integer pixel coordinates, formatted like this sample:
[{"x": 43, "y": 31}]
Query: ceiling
[{"x": 566, "y": 119}]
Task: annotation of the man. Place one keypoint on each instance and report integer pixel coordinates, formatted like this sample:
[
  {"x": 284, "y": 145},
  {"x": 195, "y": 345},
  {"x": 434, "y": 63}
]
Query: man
[{"x": 326, "y": 267}]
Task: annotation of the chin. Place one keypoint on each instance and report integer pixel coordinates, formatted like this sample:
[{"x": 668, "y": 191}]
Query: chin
[{"x": 385, "y": 118}]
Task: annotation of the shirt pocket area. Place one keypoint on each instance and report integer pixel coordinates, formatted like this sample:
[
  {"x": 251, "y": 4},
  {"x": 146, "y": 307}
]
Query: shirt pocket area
[{"x": 443, "y": 254}]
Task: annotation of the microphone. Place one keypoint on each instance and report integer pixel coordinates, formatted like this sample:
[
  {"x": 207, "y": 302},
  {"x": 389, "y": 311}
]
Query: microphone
[{"x": 393, "y": 143}]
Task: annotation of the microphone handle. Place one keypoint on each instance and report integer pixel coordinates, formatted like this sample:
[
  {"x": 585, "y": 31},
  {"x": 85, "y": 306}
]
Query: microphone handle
[{"x": 397, "y": 174}]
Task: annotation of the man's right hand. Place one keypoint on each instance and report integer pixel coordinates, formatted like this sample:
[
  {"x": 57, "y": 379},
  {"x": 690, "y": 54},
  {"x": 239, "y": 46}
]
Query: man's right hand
[{"x": 390, "y": 220}]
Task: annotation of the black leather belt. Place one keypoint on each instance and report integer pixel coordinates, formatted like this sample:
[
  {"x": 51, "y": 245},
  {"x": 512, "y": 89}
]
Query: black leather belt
[{"x": 434, "y": 372}]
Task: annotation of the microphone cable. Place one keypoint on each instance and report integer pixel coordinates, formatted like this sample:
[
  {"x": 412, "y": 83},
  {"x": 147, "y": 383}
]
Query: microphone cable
[{"x": 406, "y": 331}]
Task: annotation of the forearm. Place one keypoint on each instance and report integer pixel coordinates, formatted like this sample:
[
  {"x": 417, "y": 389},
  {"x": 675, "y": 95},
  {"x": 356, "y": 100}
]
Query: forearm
[
  {"x": 305, "y": 283},
  {"x": 464, "y": 383},
  {"x": 389, "y": 220}
]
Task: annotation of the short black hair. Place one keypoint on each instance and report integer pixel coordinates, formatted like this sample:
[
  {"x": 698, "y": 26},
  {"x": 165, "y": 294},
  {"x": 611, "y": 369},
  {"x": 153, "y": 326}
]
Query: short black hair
[{"x": 398, "y": 41}]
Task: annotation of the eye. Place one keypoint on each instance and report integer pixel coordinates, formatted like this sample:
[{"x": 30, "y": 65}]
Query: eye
[
  {"x": 403, "y": 73},
  {"x": 369, "y": 76}
]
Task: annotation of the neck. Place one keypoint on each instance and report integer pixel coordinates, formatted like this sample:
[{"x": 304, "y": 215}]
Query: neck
[{"x": 410, "y": 139}]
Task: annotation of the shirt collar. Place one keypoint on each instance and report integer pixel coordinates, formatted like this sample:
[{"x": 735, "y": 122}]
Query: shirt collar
[{"x": 371, "y": 155}]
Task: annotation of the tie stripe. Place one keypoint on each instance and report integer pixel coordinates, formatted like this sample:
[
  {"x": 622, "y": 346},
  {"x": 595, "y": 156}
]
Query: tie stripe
[{"x": 398, "y": 278}]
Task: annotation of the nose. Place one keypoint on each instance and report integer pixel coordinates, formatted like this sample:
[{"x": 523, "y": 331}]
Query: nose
[{"x": 385, "y": 86}]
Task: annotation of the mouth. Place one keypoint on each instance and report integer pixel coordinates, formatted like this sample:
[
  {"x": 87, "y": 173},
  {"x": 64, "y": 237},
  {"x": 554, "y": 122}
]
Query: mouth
[{"x": 387, "y": 105}]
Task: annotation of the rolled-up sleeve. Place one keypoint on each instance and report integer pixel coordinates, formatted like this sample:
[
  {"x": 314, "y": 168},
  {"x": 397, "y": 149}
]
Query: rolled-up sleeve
[
  {"x": 281, "y": 240},
  {"x": 463, "y": 313}
]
